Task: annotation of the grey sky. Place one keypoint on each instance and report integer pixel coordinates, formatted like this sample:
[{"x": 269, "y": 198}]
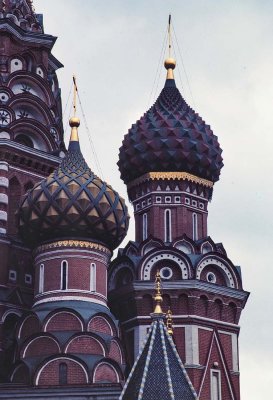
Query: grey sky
[{"x": 114, "y": 48}]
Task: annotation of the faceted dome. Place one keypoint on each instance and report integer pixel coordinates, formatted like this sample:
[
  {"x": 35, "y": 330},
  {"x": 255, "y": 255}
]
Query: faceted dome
[
  {"x": 73, "y": 203},
  {"x": 170, "y": 137}
]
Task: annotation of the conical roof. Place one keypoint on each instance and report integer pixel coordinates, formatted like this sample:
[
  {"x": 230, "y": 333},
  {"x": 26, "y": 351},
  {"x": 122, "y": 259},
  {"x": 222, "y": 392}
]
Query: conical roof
[
  {"x": 21, "y": 13},
  {"x": 158, "y": 372},
  {"x": 170, "y": 137},
  {"x": 73, "y": 203}
]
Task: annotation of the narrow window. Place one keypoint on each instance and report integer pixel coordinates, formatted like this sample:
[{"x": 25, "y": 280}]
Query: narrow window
[
  {"x": 92, "y": 277},
  {"x": 168, "y": 226},
  {"x": 145, "y": 226},
  {"x": 194, "y": 226},
  {"x": 41, "y": 278},
  {"x": 64, "y": 275},
  {"x": 215, "y": 384},
  {"x": 62, "y": 374}
]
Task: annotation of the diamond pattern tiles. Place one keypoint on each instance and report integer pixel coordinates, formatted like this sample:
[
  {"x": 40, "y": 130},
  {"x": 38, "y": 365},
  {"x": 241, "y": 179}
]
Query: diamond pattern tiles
[
  {"x": 171, "y": 137},
  {"x": 73, "y": 202},
  {"x": 158, "y": 372}
]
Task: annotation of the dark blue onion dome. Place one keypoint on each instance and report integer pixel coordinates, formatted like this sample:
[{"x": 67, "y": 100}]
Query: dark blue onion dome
[
  {"x": 73, "y": 203},
  {"x": 170, "y": 137}
]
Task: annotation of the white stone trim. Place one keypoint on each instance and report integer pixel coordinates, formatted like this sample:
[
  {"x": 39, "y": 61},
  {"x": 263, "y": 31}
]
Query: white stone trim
[
  {"x": 211, "y": 260},
  {"x": 3, "y": 216},
  {"x": 4, "y": 182},
  {"x": 68, "y": 298},
  {"x": 49, "y": 292},
  {"x": 192, "y": 345},
  {"x": 4, "y": 198},
  {"x": 4, "y": 166},
  {"x": 218, "y": 373},
  {"x": 3, "y": 231},
  {"x": 6, "y": 313},
  {"x": 146, "y": 267}
]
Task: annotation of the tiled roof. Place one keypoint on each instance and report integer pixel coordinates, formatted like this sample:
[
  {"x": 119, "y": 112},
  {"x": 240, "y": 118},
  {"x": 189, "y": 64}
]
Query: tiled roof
[{"x": 158, "y": 373}]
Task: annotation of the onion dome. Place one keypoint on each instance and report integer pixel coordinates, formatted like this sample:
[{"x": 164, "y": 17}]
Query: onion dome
[
  {"x": 22, "y": 13},
  {"x": 73, "y": 203},
  {"x": 170, "y": 137}
]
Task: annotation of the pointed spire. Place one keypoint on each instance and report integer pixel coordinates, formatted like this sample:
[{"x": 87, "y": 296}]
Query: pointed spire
[
  {"x": 170, "y": 62},
  {"x": 158, "y": 296},
  {"x": 74, "y": 122}
]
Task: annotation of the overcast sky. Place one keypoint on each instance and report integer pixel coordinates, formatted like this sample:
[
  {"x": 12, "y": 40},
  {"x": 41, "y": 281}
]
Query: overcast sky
[{"x": 114, "y": 48}]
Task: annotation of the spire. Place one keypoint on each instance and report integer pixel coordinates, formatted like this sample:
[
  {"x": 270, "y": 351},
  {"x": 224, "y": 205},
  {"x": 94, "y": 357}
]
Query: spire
[
  {"x": 170, "y": 62},
  {"x": 74, "y": 122},
  {"x": 158, "y": 372},
  {"x": 158, "y": 296}
]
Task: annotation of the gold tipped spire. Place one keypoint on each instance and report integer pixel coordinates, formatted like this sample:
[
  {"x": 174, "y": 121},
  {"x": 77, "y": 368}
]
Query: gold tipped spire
[
  {"x": 74, "y": 122},
  {"x": 169, "y": 322},
  {"x": 158, "y": 296},
  {"x": 170, "y": 62}
]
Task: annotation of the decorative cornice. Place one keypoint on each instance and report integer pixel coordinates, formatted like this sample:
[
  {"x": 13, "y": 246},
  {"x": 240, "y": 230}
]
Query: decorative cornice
[
  {"x": 181, "y": 176},
  {"x": 73, "y": 244}
]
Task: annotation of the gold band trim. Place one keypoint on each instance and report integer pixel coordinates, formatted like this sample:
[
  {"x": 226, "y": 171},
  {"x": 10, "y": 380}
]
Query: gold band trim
[
  {"x": 74, "y": 243},
  {"x": 155, "y": 176}
]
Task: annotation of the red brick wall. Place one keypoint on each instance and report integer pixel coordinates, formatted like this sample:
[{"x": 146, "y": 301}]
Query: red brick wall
[
  {"x": 99, "y": 324},
  {"x": 29, "y": 326},
  {"x": 115, "y": 352},
  {"x": 105, "y": 373},
  {"x": 41, "y": 346},
  {"x": 50, "y": 373},
  {"x": 63, "y": 321},
  {"x": 85, "y": 345}
]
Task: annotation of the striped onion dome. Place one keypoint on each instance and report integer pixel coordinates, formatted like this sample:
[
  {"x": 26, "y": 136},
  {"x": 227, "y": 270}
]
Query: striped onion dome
[
  {"x": 73, "y": 203},
  {"x": 170, "y": 137}
]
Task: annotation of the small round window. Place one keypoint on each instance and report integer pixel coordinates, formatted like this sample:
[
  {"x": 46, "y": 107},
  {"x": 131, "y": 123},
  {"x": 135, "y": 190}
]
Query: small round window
[
  {"x": 211, "y": 278},
  {"x": 166, "y": 273}
]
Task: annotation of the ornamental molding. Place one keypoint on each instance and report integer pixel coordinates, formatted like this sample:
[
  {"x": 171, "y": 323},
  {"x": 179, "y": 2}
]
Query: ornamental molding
[
  {"x": 73, "y": 243},
  {"x": 182, "y": 176}
]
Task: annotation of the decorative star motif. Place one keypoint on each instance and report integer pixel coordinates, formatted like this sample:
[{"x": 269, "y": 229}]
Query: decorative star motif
[
  {"x": 4, "y": 117},
  {"x": 22, "y": 114}
]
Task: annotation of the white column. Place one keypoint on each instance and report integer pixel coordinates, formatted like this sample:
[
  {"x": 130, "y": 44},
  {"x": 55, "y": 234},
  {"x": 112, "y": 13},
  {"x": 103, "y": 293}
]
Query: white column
[{"x": 192, "y": 345}]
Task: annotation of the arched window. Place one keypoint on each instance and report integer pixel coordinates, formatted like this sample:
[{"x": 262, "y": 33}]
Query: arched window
[
  {"x": 93, "y": 277},
  {"x": 194, "y": 227},
  {"x": 41, "y": 278},
  {"x": 62, "y": 374},
  {"x": 64, "y": 273},
  {"x": 145, "y": 226},
  {"x": 168, "y": 225}
]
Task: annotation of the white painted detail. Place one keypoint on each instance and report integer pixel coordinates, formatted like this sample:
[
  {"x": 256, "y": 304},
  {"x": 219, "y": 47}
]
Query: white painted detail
[
  {"x": 147, "y": 266},
  {"x": 168, "y": 225},
  {"x": 194, "y": 226},
  {"x": 192, "y": 345},
  {"x": 4, "y": 198},
  {"x": 74, "y": 298},
  {"x": 41, "y": 278},
  {"x": 230, "y": 278},
  {"x": 3, "y": 231},
  {"x": 4, "y": 135},
  {"x": 235, "y": 359},
  {"x": 3, "y": 216},
  {"x": 15, "y": 65},
  {"x": 93, "y": 277},
  {"x": 145, "y": 226},
  {"x": 4, "y": 182}
]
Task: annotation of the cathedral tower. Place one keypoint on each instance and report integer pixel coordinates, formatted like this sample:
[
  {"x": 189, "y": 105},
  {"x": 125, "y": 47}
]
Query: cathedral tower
[
  {"x": 170, "y": 160},
  {"x": 31, "y": 143}
]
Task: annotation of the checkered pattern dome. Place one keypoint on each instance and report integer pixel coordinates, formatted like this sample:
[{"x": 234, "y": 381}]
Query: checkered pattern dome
[
  {"x": 171, "y": 137},
  {"x": 73, "y": 203}
]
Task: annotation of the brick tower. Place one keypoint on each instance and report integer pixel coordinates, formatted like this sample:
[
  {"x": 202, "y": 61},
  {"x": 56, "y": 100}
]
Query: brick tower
[
  {"x": 31, "y": 141},
  {"x": 170, "y": 160}
]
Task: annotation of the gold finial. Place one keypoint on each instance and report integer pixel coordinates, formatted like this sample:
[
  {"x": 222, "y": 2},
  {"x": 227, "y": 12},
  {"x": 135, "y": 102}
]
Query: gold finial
[
  {"x": 169, "y": 322},
  {"x": 170, "y": 62},
  {"x": 74, "y": 122},
  {"x": 158, "y": 296}
]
